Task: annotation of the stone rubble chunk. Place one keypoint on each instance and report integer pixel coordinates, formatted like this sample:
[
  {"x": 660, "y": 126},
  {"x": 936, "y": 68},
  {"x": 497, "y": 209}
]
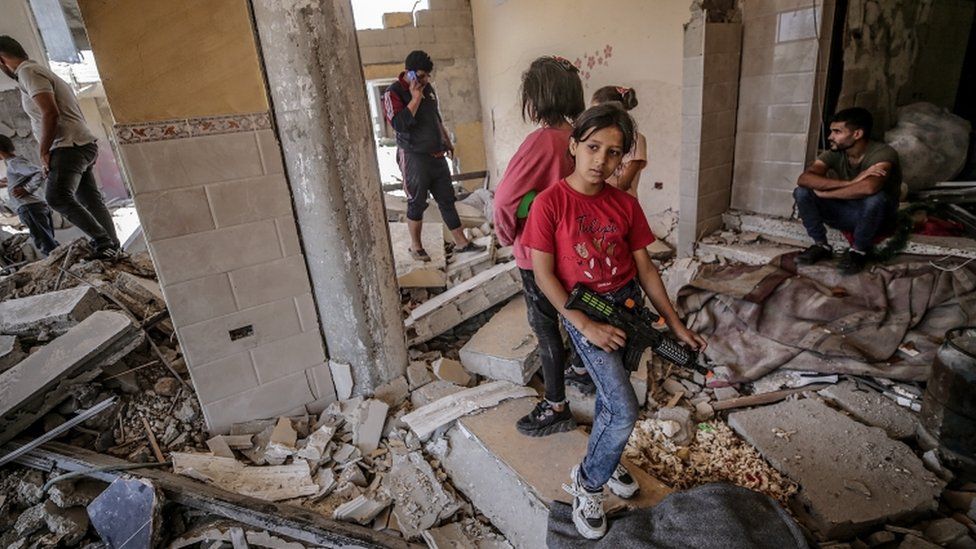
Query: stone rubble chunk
[
  {"x": 505, "y": 348},
  {"x": 673, "y": 386},
  {"x": 52, "y": 312},
  {"x": 432, "y": 391},
  {"x": 283, "y": 442},
  {"x": 314, "y": 448},
  {"x": 704, "y": 410},
  {"x": 945, "y": 531},
  {"x": 467, "y": 533},
  {"x": 420, "y": 500},
  {"x": 365, "y": 417},
  {"x": 451, "y": 370},
  {"x": 846, "y": 488},
  {"x": 218, "y": 446},
  {"x": 346, "y": 453},
  {"x": 10, "y": 352},
  {"x": 352, "y": 474},
  {"x": 271, "y": 483},
  {"x": 678, "y": 421},
  {"x": 83, "y": 492},
  {"x": 418, "y": 375},
  {"x": 361, "y": 509},
  {"x": 31, "y": 520},
  {"x": 69, "y": 524},
  {"x": 726, "y": 393},
  {"x": 166, "y": 386},
  {"x": 393, "y": 392},
  {"x": 342, "y": 379}
]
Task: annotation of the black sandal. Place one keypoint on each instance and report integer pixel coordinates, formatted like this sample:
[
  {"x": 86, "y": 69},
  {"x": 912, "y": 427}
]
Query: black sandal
[{"x": 419, "y": 255}]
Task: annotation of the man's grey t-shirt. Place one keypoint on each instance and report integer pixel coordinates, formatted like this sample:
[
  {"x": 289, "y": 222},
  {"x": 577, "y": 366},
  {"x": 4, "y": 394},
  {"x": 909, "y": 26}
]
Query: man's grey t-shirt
[
  {"x": 876, "y": 152},
  {"x": 33, "y": 79}
]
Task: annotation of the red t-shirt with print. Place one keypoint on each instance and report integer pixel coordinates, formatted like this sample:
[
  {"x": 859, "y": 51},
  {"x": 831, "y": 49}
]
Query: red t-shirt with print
[{"x": 592, "y": 237}]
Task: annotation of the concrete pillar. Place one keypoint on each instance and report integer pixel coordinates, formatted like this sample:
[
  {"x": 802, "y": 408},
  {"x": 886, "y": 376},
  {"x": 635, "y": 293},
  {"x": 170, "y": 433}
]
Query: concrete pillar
[{"x": 318, "y": 93}]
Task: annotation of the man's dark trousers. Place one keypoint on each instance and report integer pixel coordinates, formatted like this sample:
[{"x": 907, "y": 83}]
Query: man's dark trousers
[
  {"x": 864, "y": 217},
  {"x": 72, "y": 192},
  {"x": 37, "y": 218}
]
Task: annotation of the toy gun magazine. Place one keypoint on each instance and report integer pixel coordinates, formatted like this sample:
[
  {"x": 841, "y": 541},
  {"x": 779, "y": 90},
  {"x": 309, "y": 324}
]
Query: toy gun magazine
[{"x": 638, "y": 322}]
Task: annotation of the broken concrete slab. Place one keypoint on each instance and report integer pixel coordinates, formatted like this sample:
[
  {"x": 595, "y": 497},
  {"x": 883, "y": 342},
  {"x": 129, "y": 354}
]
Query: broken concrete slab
[
  {"x": 271, "y": 483},
  {"x": 473, "y": 296},
  {"x": 505, "y": 348},
  {"x": 852, "y": 477},
  {"x": 425, "y": 420},
  {"x": 39, "y": 382},
  {"x": 432, "y": 391},
  {"x": 342, "y": 379},
  {"x": 316, "y": 443},
  {"x": 413, "y": 273},
  {"x": 282, "y": 444},
  {"x": 127, "y": 513},
  {"x": 420, "y": 500},
  {"x": 53, "y": 312},
  {"x": 447, "y": 369},
  {"x": 10, "y": 352},
  {"x": 466, "y": 533},
  {"x": 361, "y": 509},
  {"x": 393, "y": 392},
  {"x": 871, "y": 407},
  {"x": 486, "y": 450},
  {"x": 418, "y": 375},
  {"x": 218, "y": 446},
  {"x": 368, "y": 427}
]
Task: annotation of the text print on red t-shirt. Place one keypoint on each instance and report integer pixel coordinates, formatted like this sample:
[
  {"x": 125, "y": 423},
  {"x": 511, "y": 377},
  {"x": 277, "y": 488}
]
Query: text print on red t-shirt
[{"x": 600, "y": 263}]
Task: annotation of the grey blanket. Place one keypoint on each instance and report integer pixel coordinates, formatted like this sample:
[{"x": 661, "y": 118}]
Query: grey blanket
[
  {"x": 716, "y": 515},
  {"x": 758, "y": 319}
]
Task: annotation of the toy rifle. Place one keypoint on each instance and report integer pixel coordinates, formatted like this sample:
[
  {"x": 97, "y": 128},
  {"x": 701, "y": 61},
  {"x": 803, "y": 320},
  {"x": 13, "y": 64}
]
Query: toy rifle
[{"x": 638, "y": 323}]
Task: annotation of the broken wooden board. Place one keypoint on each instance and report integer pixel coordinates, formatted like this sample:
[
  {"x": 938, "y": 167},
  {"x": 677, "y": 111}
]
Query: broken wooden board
[
  {"x": 413, "y": 273},
  {"x": 284, "y": 519},
  {"x": 270, "y": 483},
  {"x": 487, "y": 450},
  {"x": 473, "y": 296},
  {"x": 425, "y": 420},
  {"x": 42, "y": 380},
  {"x": 505, "y": 348}
]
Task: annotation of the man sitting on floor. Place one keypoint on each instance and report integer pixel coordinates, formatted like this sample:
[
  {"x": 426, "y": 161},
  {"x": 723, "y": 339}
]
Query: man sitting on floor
[{"x": 852, "y": 187}]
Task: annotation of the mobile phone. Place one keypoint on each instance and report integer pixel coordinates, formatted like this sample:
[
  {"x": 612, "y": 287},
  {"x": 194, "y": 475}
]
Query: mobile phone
[{"x": 412, "y": 76}]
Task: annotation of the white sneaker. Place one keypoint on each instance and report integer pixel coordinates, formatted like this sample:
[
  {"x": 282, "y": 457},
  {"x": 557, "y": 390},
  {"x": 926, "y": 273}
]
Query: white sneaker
[
  {"x": 588, "y": 515},
  {"x": 622, "y": 484}
]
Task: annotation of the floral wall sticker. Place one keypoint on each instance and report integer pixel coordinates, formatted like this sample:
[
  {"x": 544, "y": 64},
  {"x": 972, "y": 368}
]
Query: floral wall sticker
[{"x": 589, "y": 61}]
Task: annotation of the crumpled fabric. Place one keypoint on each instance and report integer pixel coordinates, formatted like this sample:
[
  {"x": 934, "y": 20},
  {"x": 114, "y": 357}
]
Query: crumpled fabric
[{"x": 758, "y": 319}]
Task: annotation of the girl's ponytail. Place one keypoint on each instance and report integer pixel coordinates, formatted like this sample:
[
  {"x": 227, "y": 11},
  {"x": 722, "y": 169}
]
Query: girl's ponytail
[{"x": 626, "y": 97}]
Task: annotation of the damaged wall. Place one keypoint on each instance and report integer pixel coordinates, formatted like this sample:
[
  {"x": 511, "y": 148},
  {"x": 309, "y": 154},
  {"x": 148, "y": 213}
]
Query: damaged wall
[
  {"x": 14, "y": 123},
  {"x": 613, "y": 47},
  {"x": 444, "y": 31},
  {"x": 897, "y": 53},
  {"x": 195, "y": 134}
]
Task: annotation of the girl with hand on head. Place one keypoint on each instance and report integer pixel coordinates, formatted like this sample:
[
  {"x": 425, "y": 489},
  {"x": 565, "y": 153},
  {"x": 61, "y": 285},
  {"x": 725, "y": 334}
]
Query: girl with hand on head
[
  {"x": 582, "y": 230},
  {"x": 552, "y": 96},
  {"x": 627, "y": 176}
]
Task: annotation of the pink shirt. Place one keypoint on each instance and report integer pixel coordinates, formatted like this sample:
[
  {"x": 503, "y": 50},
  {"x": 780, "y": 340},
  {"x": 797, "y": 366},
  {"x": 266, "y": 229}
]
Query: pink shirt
[
  {"x": 592, "y": 238},
  {"x": 541, "y": 160}
]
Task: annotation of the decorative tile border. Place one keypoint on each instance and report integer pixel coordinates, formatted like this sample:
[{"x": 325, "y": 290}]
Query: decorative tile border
[{"x": 191, "y": 127}]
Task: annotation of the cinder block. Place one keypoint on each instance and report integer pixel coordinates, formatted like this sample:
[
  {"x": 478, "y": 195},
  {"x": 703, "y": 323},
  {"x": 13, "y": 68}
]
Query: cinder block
[
  {"x": 219, "y": 337},
  {"x": 270, "y": 152},
  {"x": 454, "y": 34},
  {"x": 694, "y": 39},
  {"x": 372, "y": 55},
  {"x": 200, "y": 299},
  {"x": 373, "y": 37},
  {"x": 757, "y": 62},
  {"x": 716, "y": 152},
  {"x": 288, "y": 236},
  {"x": 265, "y": 401},
  {"x": 442, "y": 18},
  {"x": 716, "y": 125},
  {"x": 237, "y": 202},
  {"x": 722, "y": 38},
  {"x": 307, "y": 312},
  {"x": 719, "y": 96},
  {"x": 289, "y": 355},
  {"x": 721, "y": 67},
  {"x": 270, "y": 281},
  {"x": 714, "y": 180},
  {"x": 224, "y": 377},
  {"x": 793, "y": 88},
  {"x": 715, "y": 203},
  {"x": 54, "y": 312},
  {"x": 755, "y": 90},
  {"x": 219, "y": 251},
  {"x": 449, "y": 4},
  {"x": 415, "y": 37},
  {"x": 165, "y": 214},
  {"x": 397, "y": 19},
  {"x": 786, "y": 147}
]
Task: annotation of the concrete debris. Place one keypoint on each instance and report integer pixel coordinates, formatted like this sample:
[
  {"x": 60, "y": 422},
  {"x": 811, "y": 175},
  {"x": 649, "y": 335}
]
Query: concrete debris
[
  {"x": 271, "y": 483},
  {"x": 846, "y": 490},
  {"x": 461, "y": 267},
  {"x": 216, "y": 532},
  {"x": 394, "y": 392},
  {"x": 931, "y": 461},
  {"x": 326, "y": 481},
  {"x": 505, "y": 348},
  {"x": 70, "y": 525},
  {"x": 870, "y": 407},
  {"x": 219, "y": 447},
  {"x": 420, "y": 499},
  {"x": 366, "y": 419},
  {"x": 451, "y": 370},
  {"x": 880, "y": 537},
  {"x": 467, "y": 533},
  {"x": 676, "y": 424},
  {"x": 353, "y": 475},
  {"x": 413, "y": 273},
  {"x": 418, "y": 375},
  {"x": 704, "y": 411},
  {"x": 37, "y": 384},
  {"x": 314, "y": 447},
  {"x": 673, "y": 386},
  {"x": 726, "y": 393},
  {"x": 679, "y": 273},
  {"x": 425, "y": 420},
  {"x": 167, "y": 386},
  {"x": 53, "y": 312},
  {"x": 430, "y": 392},
  {"x": 362, "y": 509},
  {"x": 346, "y": 453},
  {"x": 282, "y": 444},
  {"x": 10, "y": 352},
  {"x": 342, "y": 378},
  {"x": 68, "y": 494},
  {"x": 473, "y": 296},
  {"x": 945, "y": 531}
]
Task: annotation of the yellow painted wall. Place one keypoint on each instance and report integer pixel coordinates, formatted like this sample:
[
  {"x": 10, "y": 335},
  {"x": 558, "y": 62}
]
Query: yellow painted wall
[
  {"x": 175, "y": 58},
  {"x": 645, "y": 40}
]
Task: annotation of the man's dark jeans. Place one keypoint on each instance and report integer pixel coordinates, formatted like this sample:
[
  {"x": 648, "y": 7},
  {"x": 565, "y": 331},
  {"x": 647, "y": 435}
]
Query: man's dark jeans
[
  {"x": 37, "y": 218},
  {"x": 72, "y": 192},
  {"x": 864, "y": 217}
]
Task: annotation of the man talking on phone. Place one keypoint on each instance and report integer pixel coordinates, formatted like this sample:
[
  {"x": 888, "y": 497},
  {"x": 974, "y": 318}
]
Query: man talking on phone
[{"x": 423, "y": 146}]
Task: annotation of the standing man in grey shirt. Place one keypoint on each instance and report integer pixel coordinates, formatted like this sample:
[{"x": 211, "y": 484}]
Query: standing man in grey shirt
[
  {"x": 67, "y": 147},
  {"x": 23, "y": 180}
]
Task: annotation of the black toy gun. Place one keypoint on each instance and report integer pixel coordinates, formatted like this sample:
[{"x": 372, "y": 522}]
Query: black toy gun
[{"x": 638, "y": 323}]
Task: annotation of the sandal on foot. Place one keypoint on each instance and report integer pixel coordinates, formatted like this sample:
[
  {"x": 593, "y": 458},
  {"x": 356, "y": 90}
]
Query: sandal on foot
[{"x": 419, "y": 255}]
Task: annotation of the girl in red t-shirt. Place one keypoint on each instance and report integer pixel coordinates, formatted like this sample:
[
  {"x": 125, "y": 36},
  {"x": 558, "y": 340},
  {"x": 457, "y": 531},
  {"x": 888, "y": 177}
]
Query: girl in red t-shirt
[
  {"x": 552, "y": 96},
  {"x": 583, "y": 230}
]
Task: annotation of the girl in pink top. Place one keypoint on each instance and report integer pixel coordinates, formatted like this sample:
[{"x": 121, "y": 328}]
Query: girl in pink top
[
  {"x": 627, "y": 176},
  {"x": 552, "y": 96}
]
